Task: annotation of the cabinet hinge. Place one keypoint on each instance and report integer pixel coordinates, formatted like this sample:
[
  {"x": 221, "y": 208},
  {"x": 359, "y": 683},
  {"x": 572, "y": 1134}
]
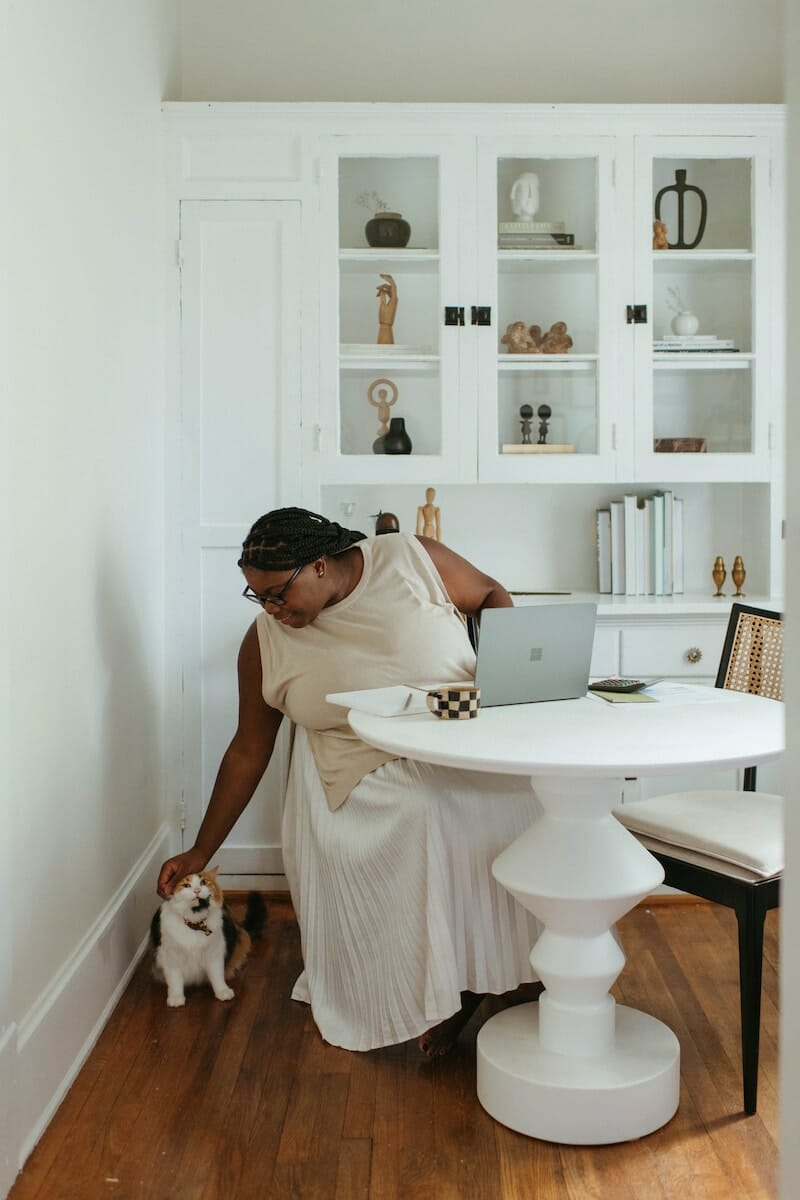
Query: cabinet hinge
[
  {"x": 179, "y": 254},
  {"x": 636, "y": 314}
]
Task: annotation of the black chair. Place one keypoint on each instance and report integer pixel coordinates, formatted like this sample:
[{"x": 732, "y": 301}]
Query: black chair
[{"x": 728, "y": 846}]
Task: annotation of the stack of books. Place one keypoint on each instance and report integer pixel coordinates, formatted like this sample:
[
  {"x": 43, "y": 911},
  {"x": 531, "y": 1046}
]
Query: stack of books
[
  {"x": 698, "y": 343},
  {"x": 640, "y": 546},
  {"x": 534, "y": 235}
]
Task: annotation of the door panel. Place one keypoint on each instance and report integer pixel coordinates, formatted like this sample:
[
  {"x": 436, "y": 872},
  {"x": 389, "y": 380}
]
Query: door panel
[{"x": 240, "y": 449}]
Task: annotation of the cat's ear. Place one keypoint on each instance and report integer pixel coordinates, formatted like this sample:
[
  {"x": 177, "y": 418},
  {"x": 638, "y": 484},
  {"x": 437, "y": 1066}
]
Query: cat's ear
[{"x": 212, "y": 871}]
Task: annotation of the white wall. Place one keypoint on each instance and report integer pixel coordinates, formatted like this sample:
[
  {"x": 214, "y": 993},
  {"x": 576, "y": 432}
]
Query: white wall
[
  {"x": 85, "y": 806},
  {"x": 523, "y": 50}
]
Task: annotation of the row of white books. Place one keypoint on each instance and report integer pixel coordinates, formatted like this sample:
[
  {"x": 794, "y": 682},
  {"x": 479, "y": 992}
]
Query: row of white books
[{"x": 640, "y": 546}]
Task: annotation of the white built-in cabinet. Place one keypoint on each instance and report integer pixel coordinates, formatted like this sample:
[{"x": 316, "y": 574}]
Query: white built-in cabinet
[{"x": 277, "y": 368}]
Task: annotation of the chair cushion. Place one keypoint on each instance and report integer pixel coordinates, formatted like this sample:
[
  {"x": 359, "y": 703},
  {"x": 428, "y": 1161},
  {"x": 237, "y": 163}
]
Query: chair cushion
[{"x": 743, "y": 828}]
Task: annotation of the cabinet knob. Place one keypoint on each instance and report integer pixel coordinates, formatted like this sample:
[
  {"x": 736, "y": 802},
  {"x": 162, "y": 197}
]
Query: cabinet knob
[{"x": 694, "y": 654}]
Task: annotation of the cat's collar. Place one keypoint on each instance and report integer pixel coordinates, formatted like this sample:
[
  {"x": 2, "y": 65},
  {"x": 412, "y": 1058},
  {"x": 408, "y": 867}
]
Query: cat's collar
[{"x": 199, "y": 925}]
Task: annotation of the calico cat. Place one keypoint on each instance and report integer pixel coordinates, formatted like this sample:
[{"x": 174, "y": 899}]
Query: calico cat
[{"x": 194, "y": 938}]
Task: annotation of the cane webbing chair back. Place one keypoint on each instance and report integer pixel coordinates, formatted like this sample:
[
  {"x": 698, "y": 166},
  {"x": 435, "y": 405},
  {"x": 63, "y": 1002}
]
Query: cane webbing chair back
[
  {"x": 752, "y": 657},
  {"x": 728, "y": 846}
]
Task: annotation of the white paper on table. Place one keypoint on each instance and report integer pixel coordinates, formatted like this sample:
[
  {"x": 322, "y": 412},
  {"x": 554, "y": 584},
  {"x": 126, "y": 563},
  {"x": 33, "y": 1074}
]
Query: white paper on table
[
  {"x": 670, "y": 692},
  {"x": 383, "y": 702}
]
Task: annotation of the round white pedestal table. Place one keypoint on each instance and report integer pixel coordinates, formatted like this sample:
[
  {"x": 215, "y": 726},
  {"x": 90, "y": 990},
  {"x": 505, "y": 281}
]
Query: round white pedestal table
[{"x": 576, "y": 1067}]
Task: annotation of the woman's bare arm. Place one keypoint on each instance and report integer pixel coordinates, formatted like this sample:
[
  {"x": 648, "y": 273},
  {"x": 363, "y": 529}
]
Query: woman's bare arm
[
  {"x": 470, "y": 589},
  {"x": 240, "y": 771}
]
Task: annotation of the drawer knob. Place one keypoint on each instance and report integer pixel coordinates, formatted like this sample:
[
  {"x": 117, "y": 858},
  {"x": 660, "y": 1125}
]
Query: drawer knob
[{"x": 694, "y": 654}]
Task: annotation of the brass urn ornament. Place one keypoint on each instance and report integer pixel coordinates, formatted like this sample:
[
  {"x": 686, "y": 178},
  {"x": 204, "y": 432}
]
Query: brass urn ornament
[
  {"x": 738, "y": 575},
  {"x": 718, "y": 575}
]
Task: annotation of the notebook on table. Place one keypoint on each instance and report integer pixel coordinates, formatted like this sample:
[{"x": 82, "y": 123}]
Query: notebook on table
[{"x": 534, "y": 653}]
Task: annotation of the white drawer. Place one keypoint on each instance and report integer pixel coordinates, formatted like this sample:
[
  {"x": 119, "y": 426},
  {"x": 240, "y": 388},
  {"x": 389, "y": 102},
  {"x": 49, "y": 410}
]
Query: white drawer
[{"x": 678, "y": 649}]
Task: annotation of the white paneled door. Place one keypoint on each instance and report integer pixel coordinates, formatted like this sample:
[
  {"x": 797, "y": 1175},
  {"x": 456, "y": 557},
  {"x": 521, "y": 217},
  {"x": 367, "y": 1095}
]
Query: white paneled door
[{"x": 239, "y": 457}]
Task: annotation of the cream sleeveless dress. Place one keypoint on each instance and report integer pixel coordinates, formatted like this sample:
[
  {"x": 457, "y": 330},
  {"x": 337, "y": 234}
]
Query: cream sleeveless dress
[{"x": 388, "y": 860}]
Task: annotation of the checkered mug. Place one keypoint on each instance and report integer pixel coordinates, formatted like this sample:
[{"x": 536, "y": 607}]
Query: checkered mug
[{"x": 458, "y": 702}]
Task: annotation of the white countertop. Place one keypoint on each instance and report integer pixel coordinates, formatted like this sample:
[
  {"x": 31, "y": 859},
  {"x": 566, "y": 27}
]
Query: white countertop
[{"x": 691, "y": 604}]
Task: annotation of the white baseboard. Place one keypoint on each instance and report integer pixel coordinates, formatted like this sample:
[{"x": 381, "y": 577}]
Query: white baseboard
[
  {"x": 9, "y": 1139},
  {"x": 54, "y": 1038},
  {"x": 256, "y": 868}
]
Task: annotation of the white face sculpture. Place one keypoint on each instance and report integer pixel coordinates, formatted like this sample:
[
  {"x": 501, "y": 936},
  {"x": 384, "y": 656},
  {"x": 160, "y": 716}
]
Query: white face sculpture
[{"x": 525, "y": 196}]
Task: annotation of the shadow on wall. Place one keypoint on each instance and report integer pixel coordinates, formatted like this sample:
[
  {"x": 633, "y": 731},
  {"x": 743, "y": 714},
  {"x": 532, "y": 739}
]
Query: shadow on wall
[{"x": 131, "y": 741}]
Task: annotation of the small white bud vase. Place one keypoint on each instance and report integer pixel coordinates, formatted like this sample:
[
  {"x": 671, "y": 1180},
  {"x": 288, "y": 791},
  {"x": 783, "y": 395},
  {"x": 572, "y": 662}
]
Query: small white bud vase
[{"x": 685, "y": 324}]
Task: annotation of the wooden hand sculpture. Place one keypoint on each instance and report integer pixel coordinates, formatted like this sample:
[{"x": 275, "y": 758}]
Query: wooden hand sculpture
[{"x": 387, "y": 308}]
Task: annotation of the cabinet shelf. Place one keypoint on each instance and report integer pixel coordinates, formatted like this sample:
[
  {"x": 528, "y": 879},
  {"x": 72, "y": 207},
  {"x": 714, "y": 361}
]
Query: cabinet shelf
[
  {"x": 367, "y": 262},
  {"x": 400, "y": 360},
  {"x": 712, "y": 256},
  {"x": 697, "y": 361},
  {"x": 549, "y": 362},
  {"x": 510, "y": 260}
]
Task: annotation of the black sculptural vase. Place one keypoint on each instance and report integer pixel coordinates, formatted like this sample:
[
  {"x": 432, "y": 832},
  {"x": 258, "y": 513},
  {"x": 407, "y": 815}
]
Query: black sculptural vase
[
  {"x": 387, "y": 229},
  {"x": 397, "y": 441}
]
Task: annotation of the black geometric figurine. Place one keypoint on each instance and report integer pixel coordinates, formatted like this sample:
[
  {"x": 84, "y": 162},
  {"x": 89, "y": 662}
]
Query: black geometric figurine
[
  {"x": 681, "y": 187},
  {"x": 543, "y": 412},
  {"x": 526, "y": 412}
]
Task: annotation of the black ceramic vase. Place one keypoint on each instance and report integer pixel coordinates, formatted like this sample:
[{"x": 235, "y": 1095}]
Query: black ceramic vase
[
  {"x": 387, "y": 229},
  {"x": 397, "y": 441}
]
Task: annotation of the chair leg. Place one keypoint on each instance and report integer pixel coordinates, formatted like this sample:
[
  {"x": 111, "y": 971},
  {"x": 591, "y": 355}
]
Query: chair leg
[{"x": 750, "y": 914}]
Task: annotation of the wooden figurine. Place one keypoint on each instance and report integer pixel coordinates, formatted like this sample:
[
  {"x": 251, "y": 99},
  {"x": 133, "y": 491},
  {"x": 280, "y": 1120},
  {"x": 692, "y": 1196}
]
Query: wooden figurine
[
  {"x": 383, "y": 405},
  {"x": 519, "y": 340},
  {"x": 532, "y": 341},
  {"x": 387, "y": 309},
  {"x": 544, "y": 413},
  {"x": 660, "y": 236},
  {"x": 526, "y": 413},
  {"x": 428, "y": 517},
  {"x": 556, "y": 340}
]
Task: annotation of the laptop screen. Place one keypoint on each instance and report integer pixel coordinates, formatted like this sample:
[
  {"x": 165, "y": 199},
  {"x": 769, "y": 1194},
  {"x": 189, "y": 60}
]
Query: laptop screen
[{"x": 534, "y": 653}]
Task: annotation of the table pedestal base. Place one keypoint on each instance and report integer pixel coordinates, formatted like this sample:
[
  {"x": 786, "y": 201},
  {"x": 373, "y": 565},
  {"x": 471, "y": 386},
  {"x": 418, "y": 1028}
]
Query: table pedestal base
[{"x": 626, "y": 1092}]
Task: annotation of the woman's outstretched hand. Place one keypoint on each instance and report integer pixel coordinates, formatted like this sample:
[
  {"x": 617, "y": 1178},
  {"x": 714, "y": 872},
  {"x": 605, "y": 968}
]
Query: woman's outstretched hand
[{"x": 176, "y": 868}]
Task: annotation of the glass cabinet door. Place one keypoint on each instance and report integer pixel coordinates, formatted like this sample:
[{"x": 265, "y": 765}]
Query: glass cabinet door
[
  {"x": 545, "y": 365},
  {"x": 702, "y": 365},
  {"x": 390, "y": 230}
]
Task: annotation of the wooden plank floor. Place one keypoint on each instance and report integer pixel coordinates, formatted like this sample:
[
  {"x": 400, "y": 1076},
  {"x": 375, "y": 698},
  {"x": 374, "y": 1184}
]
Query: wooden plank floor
[{"x": 243, "y": 1101}]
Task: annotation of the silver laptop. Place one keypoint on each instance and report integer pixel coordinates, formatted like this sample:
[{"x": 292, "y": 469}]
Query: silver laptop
[{"x": 538, "y": 652}]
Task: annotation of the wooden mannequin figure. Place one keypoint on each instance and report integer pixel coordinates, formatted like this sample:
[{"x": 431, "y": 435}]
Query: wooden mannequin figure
[
  {"x": 428, "y": 518},
  {"x": 387, "y": 308}
]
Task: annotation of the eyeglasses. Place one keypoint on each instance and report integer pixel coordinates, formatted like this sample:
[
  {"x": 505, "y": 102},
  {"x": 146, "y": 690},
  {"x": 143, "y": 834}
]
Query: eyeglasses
[{"x": 277, "y": 599}]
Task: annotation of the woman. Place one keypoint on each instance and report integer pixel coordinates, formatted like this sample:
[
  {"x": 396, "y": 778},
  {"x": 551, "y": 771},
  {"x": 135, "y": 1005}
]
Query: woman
[{"x": 402, "y": 925}]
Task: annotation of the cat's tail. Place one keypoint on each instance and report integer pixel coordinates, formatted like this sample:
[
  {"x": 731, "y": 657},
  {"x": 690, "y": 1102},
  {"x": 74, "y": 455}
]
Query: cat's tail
[{"x": 255, "y": 918}]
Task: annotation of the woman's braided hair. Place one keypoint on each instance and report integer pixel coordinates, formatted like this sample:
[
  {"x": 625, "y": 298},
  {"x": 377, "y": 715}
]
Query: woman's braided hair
[{"x": 291, "y": 537}]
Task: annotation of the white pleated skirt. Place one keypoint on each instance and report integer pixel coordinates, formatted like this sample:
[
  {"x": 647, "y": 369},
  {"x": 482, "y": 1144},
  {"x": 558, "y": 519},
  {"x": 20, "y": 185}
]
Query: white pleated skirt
[{"x": 397, "y": 906}]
